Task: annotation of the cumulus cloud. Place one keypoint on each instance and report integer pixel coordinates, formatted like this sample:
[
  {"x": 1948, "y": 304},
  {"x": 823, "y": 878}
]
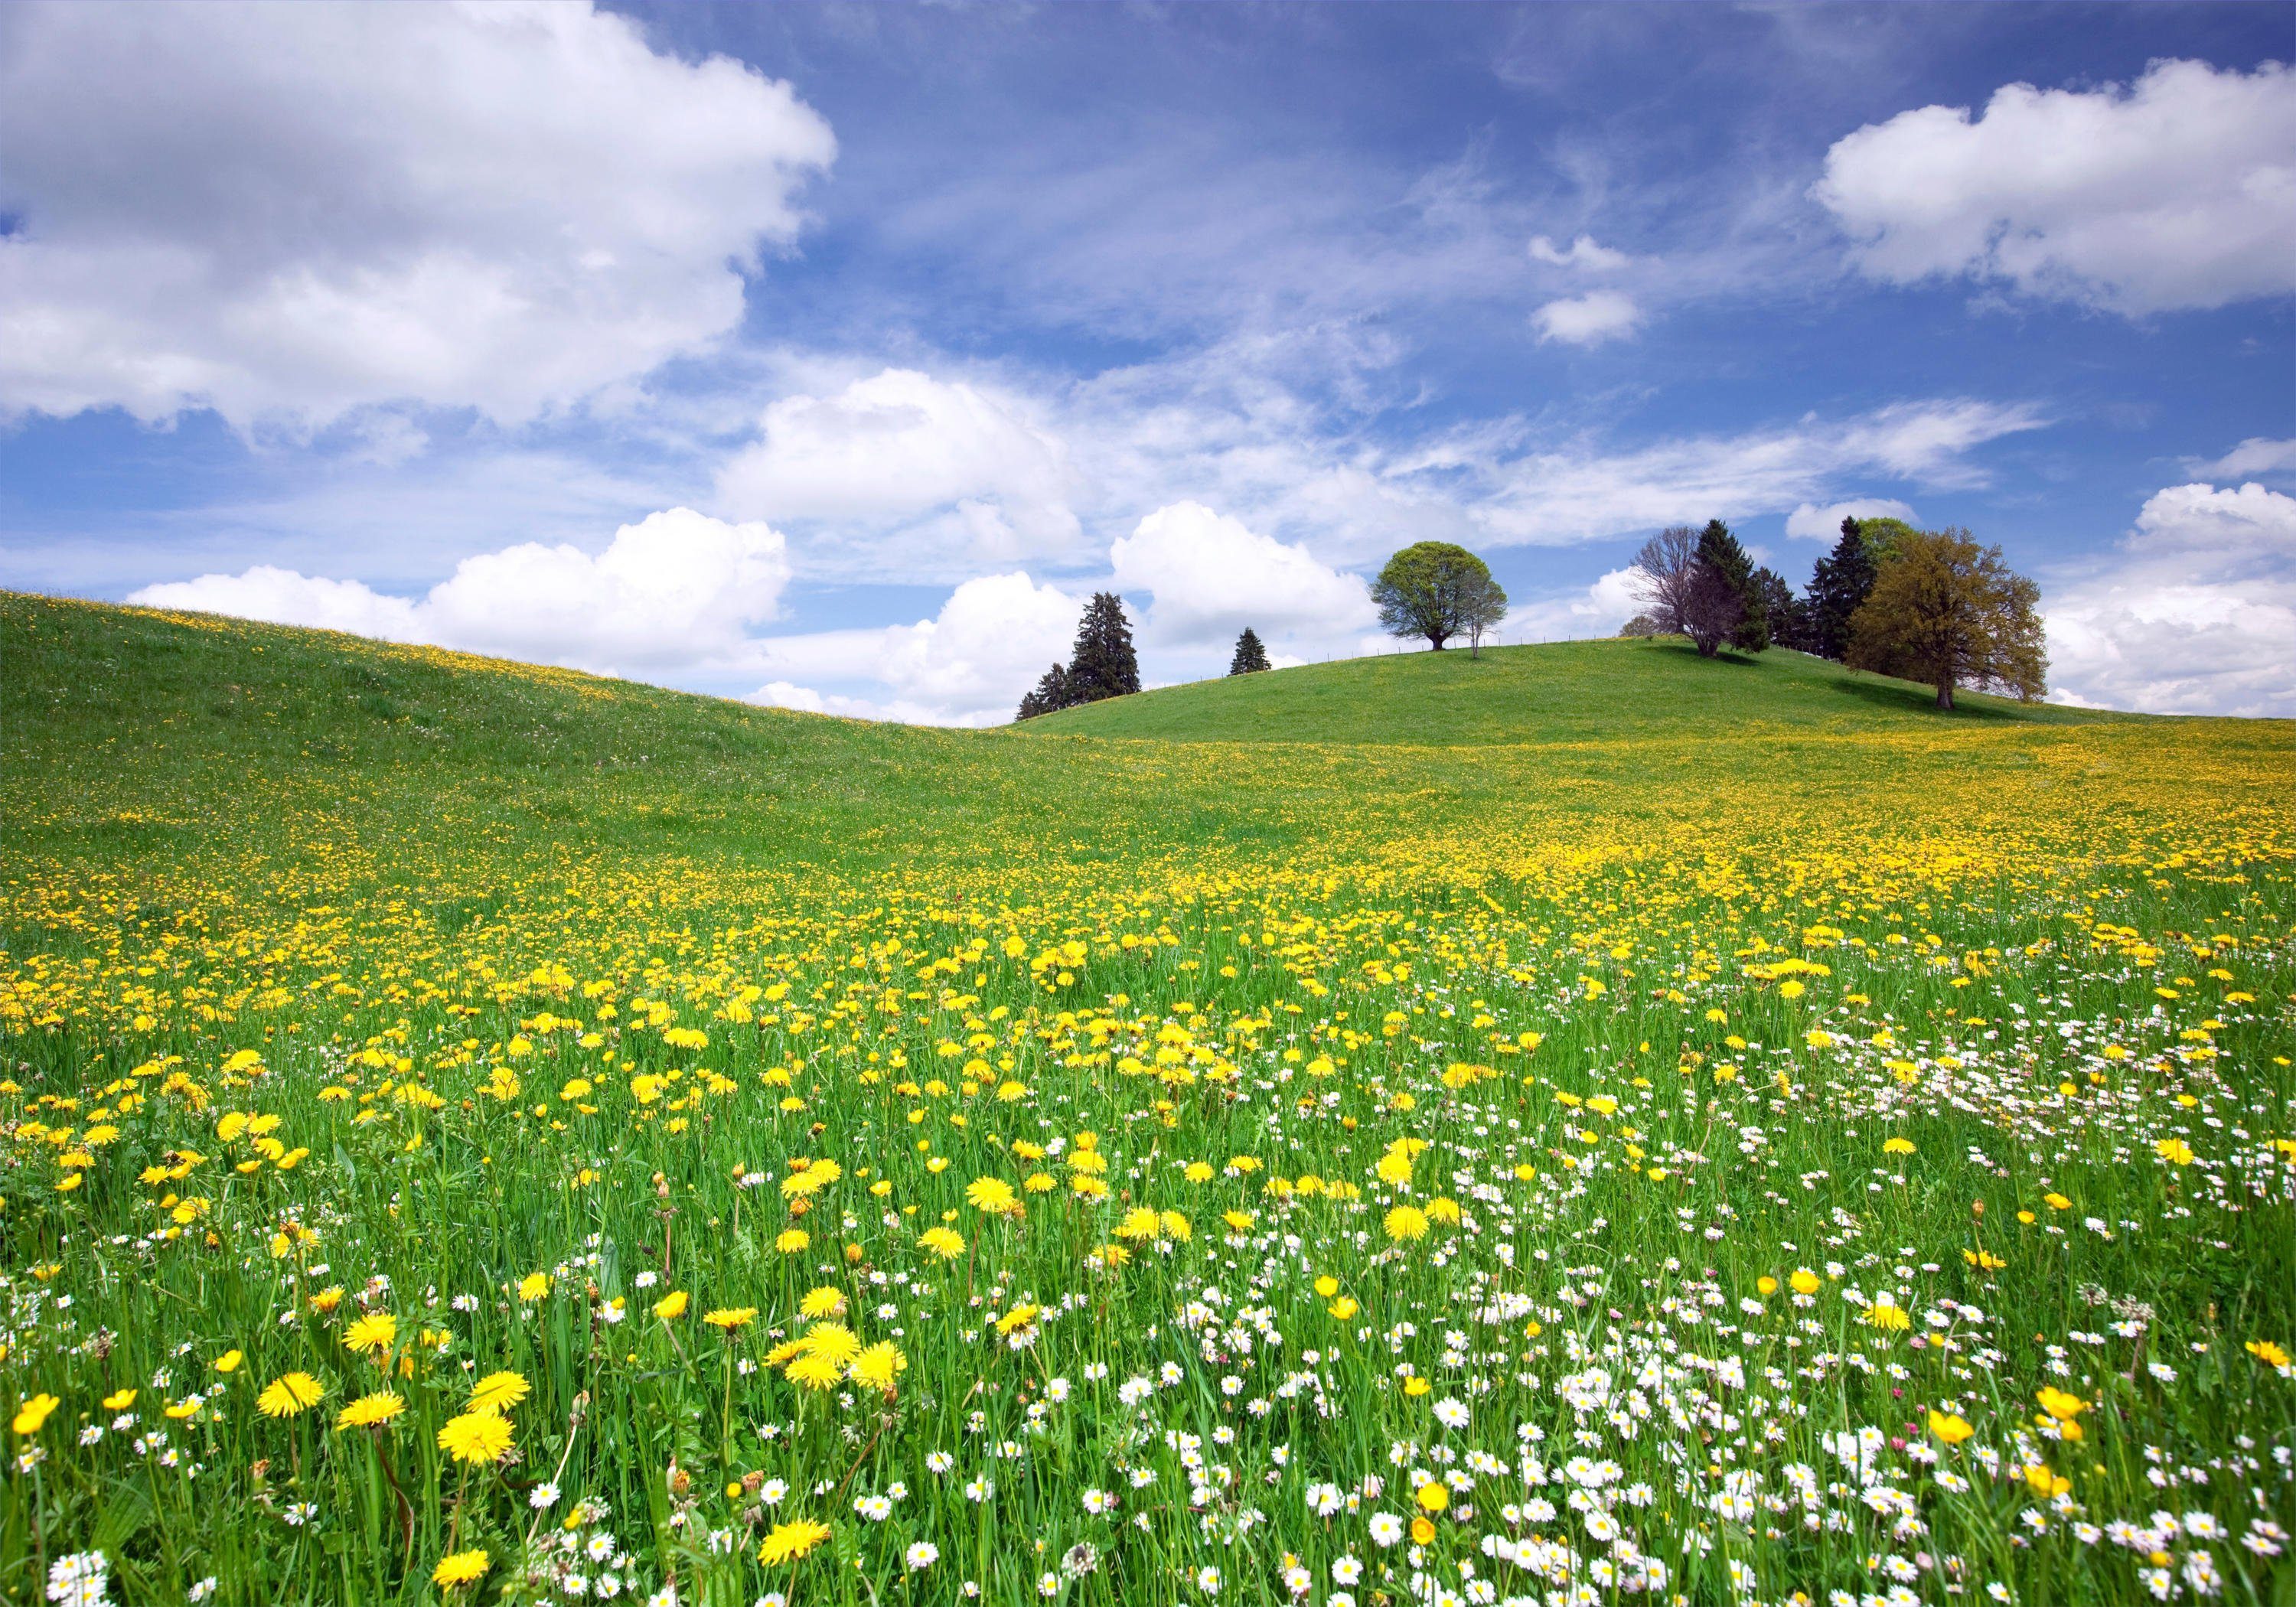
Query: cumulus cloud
[
  {"x": 1599, "y": 611},
  {"x": 2258, "y": 455},
  {"x": 2195, "y": 614},
  {"x": 1590, "y": 319},
  {"x": 291, "y": 212},
  {"x": 1210, "y": 577},
  {"x": 2178, "y": 191},
  {"x": 943, "y": 463},
  {"x": 1582, "y": 253},
  {"x": 968, "y": 664},
  {"x": 676, "y": 591},
  {"x": 1810, "y": 523}
]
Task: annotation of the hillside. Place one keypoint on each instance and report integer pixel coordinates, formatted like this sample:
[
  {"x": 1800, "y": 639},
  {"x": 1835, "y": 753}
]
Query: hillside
[
  {"x": 1559, "y": 691},
  {"x": 485, "y": 1111}
]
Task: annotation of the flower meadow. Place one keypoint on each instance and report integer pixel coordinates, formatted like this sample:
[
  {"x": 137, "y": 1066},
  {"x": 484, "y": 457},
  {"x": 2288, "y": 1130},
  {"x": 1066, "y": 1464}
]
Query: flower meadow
[{"x": 548, "y": 1151}]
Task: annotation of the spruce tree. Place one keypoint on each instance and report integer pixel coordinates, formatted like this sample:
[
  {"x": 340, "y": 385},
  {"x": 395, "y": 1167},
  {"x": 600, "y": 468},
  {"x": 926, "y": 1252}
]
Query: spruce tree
[
  {"x": 1788, "y": 623},
  {"x": 1721, "y": 557},
  {"x": 1050, "y": 692},
  {"x": 1102, "y": 664},
  {"x": 1250, "y": 655},
  {"x": 1838, "y": 586}
]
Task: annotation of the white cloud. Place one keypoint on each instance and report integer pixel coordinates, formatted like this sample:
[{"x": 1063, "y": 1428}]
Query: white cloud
[
  {"x": 1810, "y": 523},
  {"x": 2177, "y": 192},
  {"x": 948, "y": 463},
  {"x": 2258, "y": 455},
  {"x": 1560, "y": 497},
  {"x": 1210, "y": 576},
  {"x": 1599, "y": 611},
  {"x": 2196, "y": 614},
  {"x": 285, "y": 597},
  {"x": 676, "y": 591},
  {"x": 1582, "y": 253},
  {"x": 287, "y": 213},
  {"x": 968, "y": 665},
  {"x": 1590, "y": 319}
]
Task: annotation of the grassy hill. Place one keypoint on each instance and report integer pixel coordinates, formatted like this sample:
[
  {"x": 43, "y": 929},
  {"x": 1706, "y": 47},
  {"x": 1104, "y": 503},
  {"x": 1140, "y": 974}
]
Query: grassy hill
[
  {"x": 420, "y": 1077},
  {"x": 1555, "y": 693}
]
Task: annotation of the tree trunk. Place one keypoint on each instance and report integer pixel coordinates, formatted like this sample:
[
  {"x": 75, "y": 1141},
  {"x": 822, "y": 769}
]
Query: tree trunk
[
  {"x": 1436, "y": 640},
  {"x": 1944, "y": 693}
]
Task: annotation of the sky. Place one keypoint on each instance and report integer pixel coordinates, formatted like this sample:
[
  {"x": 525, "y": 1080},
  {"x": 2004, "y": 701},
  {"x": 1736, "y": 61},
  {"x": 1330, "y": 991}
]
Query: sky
[{"x": 830, "y": 356}]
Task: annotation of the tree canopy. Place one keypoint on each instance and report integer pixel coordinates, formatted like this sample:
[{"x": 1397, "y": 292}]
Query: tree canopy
[
  {"x": 1439, "y": 591},
  {"x": 1102, "y": 663},
  {"x": 1946, "y": 610}
]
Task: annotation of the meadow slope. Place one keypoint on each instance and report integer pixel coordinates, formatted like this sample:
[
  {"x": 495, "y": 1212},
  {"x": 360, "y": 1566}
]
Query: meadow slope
[{"x": 1582, "y": 1124}]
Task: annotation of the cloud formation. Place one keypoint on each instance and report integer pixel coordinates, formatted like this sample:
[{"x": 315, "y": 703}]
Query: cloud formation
[
  {"x": 289, "y": 213},
  {"x": 1210, "y": 577},
  {"x": 1590, "y": 319},
  {"x": 968, "y": 664},
  {"x": 676, "y": 591},
  {"x": 2195, "y": 614},
  {"x": 944, "y": 463},
  {"x": 2177, "y": 192},
  {"x": 1810, "y": 523}
]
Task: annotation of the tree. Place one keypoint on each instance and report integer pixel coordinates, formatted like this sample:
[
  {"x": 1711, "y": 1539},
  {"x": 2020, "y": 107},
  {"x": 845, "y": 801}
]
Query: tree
[
  {"x": 1052, "y": 693},
  {"x": 1640, "y": 625},
  {"x": 1838, "y": 585},
  {"x": 1719, "y": 551},
  {"x": 1782, "y": 608},
  {"x": 1439, "y": 591},
  {"x": 1663, "y": 571},
  {"x": 1713, "y": 609},
  {"x": 1250, "y": 655},
  {"x": 1482, "y": 607},
  {"x": 1946, "y": 610},
  {"x": 1102, "y": 664}
]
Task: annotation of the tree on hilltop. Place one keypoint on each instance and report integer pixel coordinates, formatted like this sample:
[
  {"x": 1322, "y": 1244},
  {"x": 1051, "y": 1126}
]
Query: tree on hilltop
[
  {"x": 1946, "y": 610},
  {"x": 1102, "y": 663},
  {"x": 1250, "y": 655},
  {"x": 1788, "y": 618},
  {"x": 1052, "y": 693},
  {"x": 1838, "y": 587},
  {"x": 1439, "y": 591},
  {"x": 1719, "y": 552}
]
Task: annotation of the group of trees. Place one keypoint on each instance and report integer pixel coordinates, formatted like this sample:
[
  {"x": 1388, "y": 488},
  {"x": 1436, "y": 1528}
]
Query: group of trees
[
  {"x": 1925, "y": 605},
  {"x": 1101, "y": 664}
]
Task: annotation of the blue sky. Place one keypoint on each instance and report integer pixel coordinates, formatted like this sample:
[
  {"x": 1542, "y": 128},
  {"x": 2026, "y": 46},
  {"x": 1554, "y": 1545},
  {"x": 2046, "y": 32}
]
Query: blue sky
[{"x": 830, "y": 355}]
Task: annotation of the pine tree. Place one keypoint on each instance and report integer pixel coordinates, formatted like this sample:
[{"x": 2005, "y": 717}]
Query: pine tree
[
  {"x": 1838, "y": 587},
  {"x": 1720, "y": 554},
  {"x": 1789, "y": 624},
  {"x": 1102, "y": 664},
  {"x": 1050, "y": 692},
  {"x": 1250, "y": 655}
]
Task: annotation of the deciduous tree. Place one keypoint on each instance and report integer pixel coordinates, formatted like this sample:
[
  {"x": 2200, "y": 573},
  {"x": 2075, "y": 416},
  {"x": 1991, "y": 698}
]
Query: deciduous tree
[
  {"x": 1437, "y": 590},
  {"x": 1946, "y": 610}
]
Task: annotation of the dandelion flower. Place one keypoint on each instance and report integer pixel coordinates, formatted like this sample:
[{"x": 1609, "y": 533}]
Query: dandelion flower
[
  {"x": 475, "y": 1436},
  {"x": 373, "y": 1333},
  {"x": 671, "y": 1306},
  {"x": 790, "y": 1541},
  {"x": 1406, "y": 1222},
  {"x": 287, "y": 1396},
  {"x": 731, "y": 1317},
  {"x": 878, "y": 1366},
  {"x": 370, "y": 1411},
  {"x": 942, "y": 1242},
  {"x": 460, "y": 1567},
  {"x": 496, "y": 1390}
]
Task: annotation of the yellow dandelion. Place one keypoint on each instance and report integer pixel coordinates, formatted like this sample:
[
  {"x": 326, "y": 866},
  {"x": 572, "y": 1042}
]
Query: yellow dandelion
[{"x": 286, "y": 1396}]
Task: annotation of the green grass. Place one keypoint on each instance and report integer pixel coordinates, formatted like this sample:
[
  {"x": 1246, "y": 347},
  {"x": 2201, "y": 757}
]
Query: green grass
[
  {"x": 1685, "y": 975},
  {"x": 1560, "y": 691}
]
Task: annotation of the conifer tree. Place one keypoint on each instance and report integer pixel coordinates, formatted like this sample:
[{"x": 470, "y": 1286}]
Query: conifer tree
[
  {"x": 1052, "y": 693},
  {"x": 1102, "y": 664},
  {"x": 1719, "y": 554},
  {"x": 1789, "y": 622},
  {"x": 1250, "y": 655},
  {"x": 1838, "y": 587}
]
